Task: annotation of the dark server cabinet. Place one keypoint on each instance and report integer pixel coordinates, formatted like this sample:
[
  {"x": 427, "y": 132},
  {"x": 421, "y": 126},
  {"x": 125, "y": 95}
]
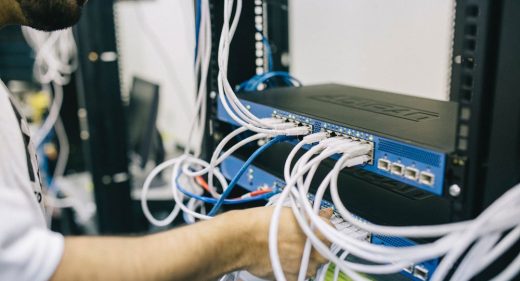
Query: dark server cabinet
[
  {"x": 485, "y": 85},
  {"x": 102, "y": 117}
]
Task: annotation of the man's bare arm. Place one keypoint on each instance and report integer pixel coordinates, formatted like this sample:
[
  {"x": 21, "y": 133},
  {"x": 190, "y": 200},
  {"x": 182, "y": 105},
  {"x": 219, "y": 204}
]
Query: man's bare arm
[{"x": 203, "y": 251}]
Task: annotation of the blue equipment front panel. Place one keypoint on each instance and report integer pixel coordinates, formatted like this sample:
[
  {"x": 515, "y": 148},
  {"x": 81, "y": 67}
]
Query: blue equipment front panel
[
  {"x": 253, "y": 179},
  {"x": 258, "y": 178},
  {"x": 413, "y": 165},
  {"x": 419, "y": 272}
]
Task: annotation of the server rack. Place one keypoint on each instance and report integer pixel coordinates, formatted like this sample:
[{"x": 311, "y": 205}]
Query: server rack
[
  {"x": 485, "y": 71},
  {"x": 483, "y": 84},
  {"x": 102, "y": 117}
]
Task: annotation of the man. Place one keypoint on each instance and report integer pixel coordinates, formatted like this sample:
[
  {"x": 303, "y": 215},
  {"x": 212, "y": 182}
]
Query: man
[{"x": 29, "y": 251}]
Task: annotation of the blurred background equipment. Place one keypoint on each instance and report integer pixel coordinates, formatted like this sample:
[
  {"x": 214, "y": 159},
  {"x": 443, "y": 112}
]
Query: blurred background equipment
[
  {"x": 132, "y": 109},
  {"x": 144, "y": 138}
]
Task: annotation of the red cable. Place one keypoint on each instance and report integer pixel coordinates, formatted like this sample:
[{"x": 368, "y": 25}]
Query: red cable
[{"x": 202, "y": 182}]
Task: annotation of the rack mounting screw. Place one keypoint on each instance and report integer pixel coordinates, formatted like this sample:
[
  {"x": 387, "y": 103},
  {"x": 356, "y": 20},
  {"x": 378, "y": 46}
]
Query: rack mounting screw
[{"x": 455, "y": 190}]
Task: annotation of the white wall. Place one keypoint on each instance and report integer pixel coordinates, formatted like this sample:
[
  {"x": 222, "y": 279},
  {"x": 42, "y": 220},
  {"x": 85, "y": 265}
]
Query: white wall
[
  {"x": 402, "y": 46},
  {"x": 399, "y": 45},
  {"x": 156, "y": 42}
]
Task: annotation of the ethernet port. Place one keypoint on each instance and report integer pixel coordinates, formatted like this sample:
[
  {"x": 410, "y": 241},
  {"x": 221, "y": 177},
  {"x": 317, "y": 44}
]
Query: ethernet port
[
  {"x": 427, "y": 178},
  {"x": 332, "y": 133},
  {"x": 383, "y": 164},
  {"x": 397, "y": 169},
  {"x": 371, "y": 154},
  {"x": 420, "y": 272},
  {"x": 411, "y": 173},
  {"x": 409, "y": 268}
]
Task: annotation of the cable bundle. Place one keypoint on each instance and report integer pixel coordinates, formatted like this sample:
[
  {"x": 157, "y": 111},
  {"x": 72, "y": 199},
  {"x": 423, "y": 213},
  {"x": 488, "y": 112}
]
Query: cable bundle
[
  {"x": 484, "y": 234},
  {"x": 270, "y": 78},
  {"x": 487, "y": 231},
  {"x": 56, "y": 59},
  {"x": 189, "y": 167},
  {"x": 236, "y": 110}
]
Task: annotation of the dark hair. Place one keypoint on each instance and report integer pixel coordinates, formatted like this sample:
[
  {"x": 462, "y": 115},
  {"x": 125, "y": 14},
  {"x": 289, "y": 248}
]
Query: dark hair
[{"x": 50, "y": 15}]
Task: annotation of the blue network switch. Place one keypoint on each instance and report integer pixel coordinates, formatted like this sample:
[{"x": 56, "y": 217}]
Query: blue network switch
[
  {"x": 410, "y": 164},
  {"x": 257, "y": 178}
]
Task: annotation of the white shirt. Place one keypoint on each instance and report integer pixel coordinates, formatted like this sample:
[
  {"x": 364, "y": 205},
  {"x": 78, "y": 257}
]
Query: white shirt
[{"x": 28, "y": 249}]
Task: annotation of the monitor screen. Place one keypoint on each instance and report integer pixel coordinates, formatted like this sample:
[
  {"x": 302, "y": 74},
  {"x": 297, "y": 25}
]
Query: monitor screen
[{"x": 142, "y": 117}]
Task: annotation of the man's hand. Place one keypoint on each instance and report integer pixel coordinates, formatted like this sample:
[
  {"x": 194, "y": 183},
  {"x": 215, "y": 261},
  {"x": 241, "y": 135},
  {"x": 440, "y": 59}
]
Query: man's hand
[
  {"x": 236, "y": 240},
  {"x": 291, "y": 241}
]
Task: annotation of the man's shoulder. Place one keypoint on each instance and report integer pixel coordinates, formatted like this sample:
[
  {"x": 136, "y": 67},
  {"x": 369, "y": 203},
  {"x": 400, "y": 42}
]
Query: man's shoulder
[{"x": 18, "y": 166}]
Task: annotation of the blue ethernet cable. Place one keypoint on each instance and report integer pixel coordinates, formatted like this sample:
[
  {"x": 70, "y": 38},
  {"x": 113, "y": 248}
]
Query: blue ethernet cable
[
  {"x": 267, "y": 77},
  {"x": 243, "y": 169},
  {"x": 211, "y": 200},
  {"x": 253, "y": 83}
]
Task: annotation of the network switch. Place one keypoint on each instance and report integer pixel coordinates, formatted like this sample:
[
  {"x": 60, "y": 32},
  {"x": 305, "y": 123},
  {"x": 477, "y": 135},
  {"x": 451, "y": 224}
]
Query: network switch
[
  {"x": 261, "y": 179},
  {"x": 411, "y": 136},
  {"x": 418, "y": 272}
]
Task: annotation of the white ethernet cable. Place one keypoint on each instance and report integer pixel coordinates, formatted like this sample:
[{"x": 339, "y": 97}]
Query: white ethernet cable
[
  {"x": 422, "y": 245},
  {"x": 63, "y": 157},
  {"x": 510, "y": 272},
  {"x": 54, "y": 112},
  {"x": 249, "y": 121},
  {"x": 193, "y": 163},
  {"x": 362, "y": 249},
  {"x": 236, "y": 110},
  {"x": 215, "y": 161},
  {"x": 490, "y": 255},
  {"x": 144, "y": 196},
  {"x": 397, "y": 258},
  {"x": 56, "y": 55},
  {"x": 201, "y": 64},
  {"x": 273, "y": 230},
  {"x": 448, "y": 245},
  {"x": 352, "y": 162},
  {"x": 217, "y": 158},
  {"x": 178, "y": 197},
  {"x": 198, "y": 124},
  {"x": 193, "y": 205},
  {"x": 502, "y": 209},
  {"x": 56, "y": 59},
  {"x": 275, "y": 126},
  {"x": 387, "y": 259},
  {"x": 316, "y": 209},
  {"x": 471, "y": 260}
]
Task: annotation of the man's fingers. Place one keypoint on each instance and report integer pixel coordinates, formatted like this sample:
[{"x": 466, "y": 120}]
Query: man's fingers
[
  {"x": 317, "y": 258},
  {"x": 317, "y": 261},
  {"x": 326, "y": 213},
  {"x": 312, "y": 272}
]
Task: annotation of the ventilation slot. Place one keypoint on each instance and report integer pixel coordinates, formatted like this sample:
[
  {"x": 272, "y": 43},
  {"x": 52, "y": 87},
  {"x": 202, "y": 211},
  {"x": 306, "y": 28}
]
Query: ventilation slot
[{"x": 416, "y": 154}]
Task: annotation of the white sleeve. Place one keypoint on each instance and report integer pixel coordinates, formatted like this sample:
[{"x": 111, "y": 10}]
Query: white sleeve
[{"x": 28, "y": 249}]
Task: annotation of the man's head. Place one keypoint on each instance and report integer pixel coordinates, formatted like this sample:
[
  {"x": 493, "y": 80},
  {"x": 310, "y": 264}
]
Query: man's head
[{"x": 47, "y": 15}]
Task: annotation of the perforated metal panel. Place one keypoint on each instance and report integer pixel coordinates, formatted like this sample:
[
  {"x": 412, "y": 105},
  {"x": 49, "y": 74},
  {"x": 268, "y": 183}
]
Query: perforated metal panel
[{"x": 410, "y": 153}]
